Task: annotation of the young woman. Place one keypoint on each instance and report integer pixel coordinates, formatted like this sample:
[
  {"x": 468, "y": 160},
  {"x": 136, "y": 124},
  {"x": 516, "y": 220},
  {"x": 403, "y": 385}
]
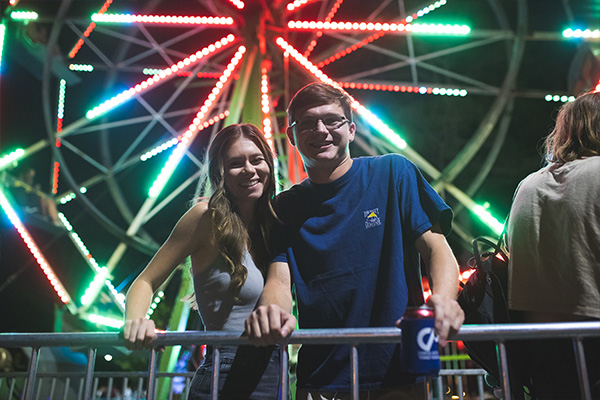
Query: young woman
[
  {"x": 226, "y": 239},
  {"x": 554, "y": 244}
]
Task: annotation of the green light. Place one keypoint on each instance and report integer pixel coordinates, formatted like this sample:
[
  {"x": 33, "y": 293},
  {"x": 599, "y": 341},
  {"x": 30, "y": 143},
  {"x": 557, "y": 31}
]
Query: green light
[
  {"x": 151, "y": 71},
  {"x": 95, "y": 285},
  {"x": 24, "y": 15},
  {"x": 159, "y": 149},
  {"x": 581, "y": 33},
  {"x": 105, "y": 321},
  {"x": 488, "y": 219},
  {"x": 440, "y": 29},
  {"x": 2, "y": 32},
  {"x": 11, "y": 157},
  {"x": 559, "y": 98},
  {"x": 166, "y": 171},
  {"x": 67, "y": 198},
  {"x": 81, "y": 67},
  {"x": 382, "y": 128}
]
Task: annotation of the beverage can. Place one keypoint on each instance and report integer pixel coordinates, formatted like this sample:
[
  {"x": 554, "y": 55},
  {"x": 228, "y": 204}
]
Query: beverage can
[{"x": 420, "y": 354}]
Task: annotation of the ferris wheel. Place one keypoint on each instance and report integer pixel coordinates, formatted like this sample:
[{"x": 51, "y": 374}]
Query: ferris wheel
[{"x": 130, "y": 106}]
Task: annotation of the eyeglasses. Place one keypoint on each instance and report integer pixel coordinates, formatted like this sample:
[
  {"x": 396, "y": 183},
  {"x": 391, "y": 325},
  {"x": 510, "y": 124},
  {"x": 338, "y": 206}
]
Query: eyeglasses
[{"x": 309, "y": 124}]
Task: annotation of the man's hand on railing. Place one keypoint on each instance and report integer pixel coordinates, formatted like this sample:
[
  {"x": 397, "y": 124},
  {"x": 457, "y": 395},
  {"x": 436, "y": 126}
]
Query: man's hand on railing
[
  {"x": 268, "y": 325},
  {"x": 449, "y": 317},
  {"x": 139, "y": 333}
]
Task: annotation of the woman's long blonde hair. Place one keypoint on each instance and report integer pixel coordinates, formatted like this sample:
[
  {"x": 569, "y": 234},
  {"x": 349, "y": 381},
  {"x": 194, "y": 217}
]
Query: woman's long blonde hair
[{"x": 231, "y": 235}]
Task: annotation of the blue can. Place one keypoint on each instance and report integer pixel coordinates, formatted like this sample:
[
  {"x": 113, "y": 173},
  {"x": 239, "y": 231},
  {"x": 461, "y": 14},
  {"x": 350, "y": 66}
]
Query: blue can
[{"x": 420, "y": 354}]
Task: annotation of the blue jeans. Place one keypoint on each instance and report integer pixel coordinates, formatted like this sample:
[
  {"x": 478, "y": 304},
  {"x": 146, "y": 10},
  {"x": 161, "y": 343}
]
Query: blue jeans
[{"x": 246, "y": 373}]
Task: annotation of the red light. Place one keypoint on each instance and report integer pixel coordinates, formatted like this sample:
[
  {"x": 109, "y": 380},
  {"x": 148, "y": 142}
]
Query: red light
[
  {"x": 55, "y": 177},
  {"x": 89, "y": 30},
  {"x": 350, "y": 49}
]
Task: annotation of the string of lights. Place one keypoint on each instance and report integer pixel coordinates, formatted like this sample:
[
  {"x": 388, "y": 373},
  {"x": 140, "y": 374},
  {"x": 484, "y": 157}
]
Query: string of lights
[
  {"x": 101, "y": 273},
  {"x": 192, "y": 130},
  {"x": 406, "y": 89},
  {"x": 296, "y": 4},
  {"x": 238, "y": 4},
  {"x": 394, "y": 28},
  {"x": 88, "y": 30},
  {"x": 370, "y": 39},
  {"x": 161, "y": 76},
  {"x": 58, "y": 287},
  {"x": 161, "y": 19},
  {"x": 174, "y": 141},
  {"x": 329, "y": 17}
]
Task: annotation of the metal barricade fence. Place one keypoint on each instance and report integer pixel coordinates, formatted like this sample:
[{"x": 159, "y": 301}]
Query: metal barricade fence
[{"x": 500, "y": 334}]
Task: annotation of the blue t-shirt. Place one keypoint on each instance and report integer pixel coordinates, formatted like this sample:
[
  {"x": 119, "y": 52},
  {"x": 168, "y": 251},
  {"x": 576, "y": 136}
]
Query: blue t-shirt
[{"x": 350, "y": 247}]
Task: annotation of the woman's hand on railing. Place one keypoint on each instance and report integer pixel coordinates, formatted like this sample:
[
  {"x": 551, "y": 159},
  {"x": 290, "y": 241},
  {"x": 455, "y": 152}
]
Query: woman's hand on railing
[{"x": 139, "y": 333}]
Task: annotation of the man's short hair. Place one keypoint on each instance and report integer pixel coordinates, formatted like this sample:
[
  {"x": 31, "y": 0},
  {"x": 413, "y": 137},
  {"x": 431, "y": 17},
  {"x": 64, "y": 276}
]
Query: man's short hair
[{"x": 318, "y": 94}]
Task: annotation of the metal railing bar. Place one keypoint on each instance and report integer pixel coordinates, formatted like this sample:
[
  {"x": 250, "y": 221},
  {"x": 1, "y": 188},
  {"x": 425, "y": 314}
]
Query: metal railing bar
[
  {"x": 52, "y": 387},
  {"x": 139, "y": 388},
  {"x": 354, "y": 361},
  {"x": 39, "y": 389},
  {"x": 215, "y": 373},
  {"x": 109, "y": 388},
  {"x": 533, "y": 331},
  {"x": 95, "y": 389},
  {"x": 581, "y": 369},
  {"x": 99, "y": 374},
  {"x": 12, "y": 389},
  {"x": 471, "y": 371},
  {"x": 440, "y": 387},
  {"x": 125, "y": 382},
  {"x": 354, "y": 336},
  {"x": 480, "y": 385},
  {"x": 89, "y": 374},
  {"x": 67, "y": 384},
  {"x": 30, "y": 382},
  {"x": 492, "y": 332},
  {"x": 80, "y": 390},
  {"x": 152, "y": 375},
  {"x": 171, "y": 382},
  {"x": 428, "y": 388},
  {"x": 459, "y": 384},
  {"x": 284, "y": 357},
  {"x": 188, "y": 383},
  {"x": 503, "y": 366}
]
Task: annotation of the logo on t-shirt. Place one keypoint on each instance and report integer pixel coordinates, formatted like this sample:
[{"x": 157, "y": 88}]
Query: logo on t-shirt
[{"x": 372, "y": 218}]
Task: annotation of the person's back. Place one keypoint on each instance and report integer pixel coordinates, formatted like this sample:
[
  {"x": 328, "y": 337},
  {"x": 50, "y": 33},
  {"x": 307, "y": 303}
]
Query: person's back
[
  {"x": 554, "y": 242},
  {"x": 555, "y": 231}
]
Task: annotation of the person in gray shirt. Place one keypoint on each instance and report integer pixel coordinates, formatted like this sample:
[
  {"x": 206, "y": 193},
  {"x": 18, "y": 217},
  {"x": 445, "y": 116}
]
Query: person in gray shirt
[{"x": 226, "y": 238}]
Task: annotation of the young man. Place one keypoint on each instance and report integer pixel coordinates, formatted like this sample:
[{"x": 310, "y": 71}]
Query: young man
[{"x": 353, "y": 233}]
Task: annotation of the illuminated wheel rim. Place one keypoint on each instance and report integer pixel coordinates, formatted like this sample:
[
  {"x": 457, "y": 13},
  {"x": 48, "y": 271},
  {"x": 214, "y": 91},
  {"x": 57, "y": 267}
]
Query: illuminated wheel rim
[{"x": 109, "y": 199}]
